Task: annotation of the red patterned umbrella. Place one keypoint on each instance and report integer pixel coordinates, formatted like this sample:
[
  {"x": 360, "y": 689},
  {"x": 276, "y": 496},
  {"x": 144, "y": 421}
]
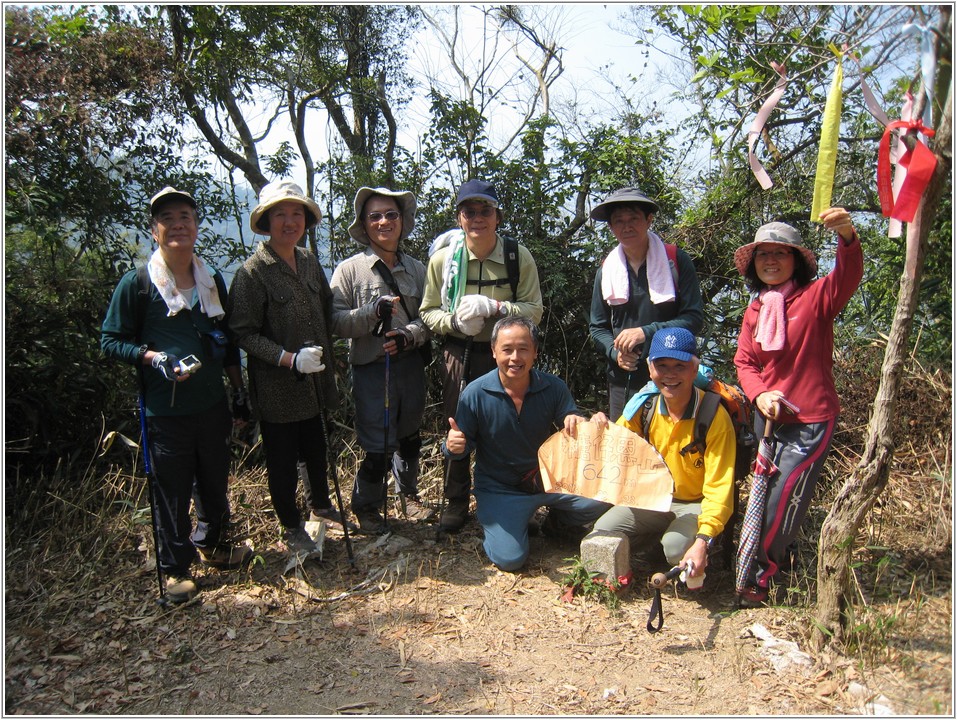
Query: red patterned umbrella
[{"x": 764, "y": 469}]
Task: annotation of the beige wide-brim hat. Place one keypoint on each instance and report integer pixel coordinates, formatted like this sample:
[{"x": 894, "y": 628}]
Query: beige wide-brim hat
[
  {"x": 776, "y": 233},
  {"x": 403, "y": 198},
  {"x": 275, "y": 193}
]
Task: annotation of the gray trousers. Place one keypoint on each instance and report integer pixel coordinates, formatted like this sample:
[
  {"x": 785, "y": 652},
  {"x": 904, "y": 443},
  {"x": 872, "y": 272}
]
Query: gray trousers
[
  {"x": 397, "y": 436},
  {"x": 676, "y": 528}
]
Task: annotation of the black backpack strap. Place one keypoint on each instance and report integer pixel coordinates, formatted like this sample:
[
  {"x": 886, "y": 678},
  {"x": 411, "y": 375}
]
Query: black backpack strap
[
  {"x": 144, "y": 285},
  {"x": 511, "y": 264},
  {"x": 647, "y": 411},
  {"x": 702, "y": 423},
  {"x": 386, "y": 274}
]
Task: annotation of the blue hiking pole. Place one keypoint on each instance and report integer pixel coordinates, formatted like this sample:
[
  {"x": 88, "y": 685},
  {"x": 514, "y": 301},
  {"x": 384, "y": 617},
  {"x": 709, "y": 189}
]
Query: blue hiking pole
[
  {"x": 148, "y": 465},
  {"x": 385, "y": 452}
]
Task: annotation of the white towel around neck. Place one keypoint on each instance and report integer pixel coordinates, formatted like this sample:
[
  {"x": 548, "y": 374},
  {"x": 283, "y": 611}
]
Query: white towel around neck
[
  {"x": 614, "y": 274},
  {"x": 165, "y": 283}
]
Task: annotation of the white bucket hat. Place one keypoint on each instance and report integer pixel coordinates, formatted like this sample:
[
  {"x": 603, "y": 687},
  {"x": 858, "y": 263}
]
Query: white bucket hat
[
  {"x": 403, "y": 198},
  {"x": 275, "y": 193}
]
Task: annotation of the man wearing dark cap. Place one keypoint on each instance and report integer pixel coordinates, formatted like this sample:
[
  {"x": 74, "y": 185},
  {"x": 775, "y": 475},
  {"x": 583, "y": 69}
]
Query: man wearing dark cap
[
  {"x": 642, "y": 286},
  {"x": 159, "y": 317},
  {"x": 704, "y": 479},
  {"x": 467, "y": 289}
]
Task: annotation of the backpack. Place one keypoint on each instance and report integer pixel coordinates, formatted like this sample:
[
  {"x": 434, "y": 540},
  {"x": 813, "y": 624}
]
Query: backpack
[
  {"x": 739, "y": 408},
  {"x": 511, "y": 260},
  {"x": 716, "y": 391}
]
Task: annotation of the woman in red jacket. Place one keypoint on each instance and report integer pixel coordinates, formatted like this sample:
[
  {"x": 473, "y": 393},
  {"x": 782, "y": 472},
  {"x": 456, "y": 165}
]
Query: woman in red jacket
[{"x": 784, "y": 363}]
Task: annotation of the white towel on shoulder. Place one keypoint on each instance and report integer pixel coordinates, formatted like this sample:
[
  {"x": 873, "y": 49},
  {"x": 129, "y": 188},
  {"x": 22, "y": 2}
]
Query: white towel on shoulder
[
  {"x": 614, "y": 274},
  {"x": 165, "y": 283}
]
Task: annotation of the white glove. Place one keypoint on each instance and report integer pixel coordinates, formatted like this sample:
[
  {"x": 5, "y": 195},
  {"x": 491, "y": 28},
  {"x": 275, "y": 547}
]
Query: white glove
[
  {"x": 309, "y": 360},
  {"x": 470, "y": 327},
  {"x": 473, "y": 306}
]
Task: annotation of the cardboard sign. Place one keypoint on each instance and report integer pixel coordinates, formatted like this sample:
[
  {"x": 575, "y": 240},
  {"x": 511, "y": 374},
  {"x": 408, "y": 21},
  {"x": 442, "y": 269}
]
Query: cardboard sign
[{"x": 614, "y": 465}]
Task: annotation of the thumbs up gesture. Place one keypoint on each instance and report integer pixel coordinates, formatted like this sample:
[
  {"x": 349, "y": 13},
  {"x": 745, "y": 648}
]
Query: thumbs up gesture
[{"x": 455, "y": 440}]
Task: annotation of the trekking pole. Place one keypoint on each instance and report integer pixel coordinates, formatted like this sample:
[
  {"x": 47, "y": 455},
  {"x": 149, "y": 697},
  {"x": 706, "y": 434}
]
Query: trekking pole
[
  {"x": 385, "y": 453},
  {"x": 466, "y": 358},
  {"x": 658, "y": 581},
  {"x": 334, "y": 471},
  {"x": 148, "y": 465}
]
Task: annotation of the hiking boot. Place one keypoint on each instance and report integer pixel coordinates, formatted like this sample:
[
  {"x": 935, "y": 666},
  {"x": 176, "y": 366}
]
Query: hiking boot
[
  {"x": 455, "y": 515},
  {"x": 330, "y": 515},
  {"x": 414, "y": 509},
  {"x": 180, "y": 588},
  {"x": 226, "y": 557},
  {"x": 554, "y": 527},
  {"x": 370, "y": 521},
  {"x": 298, "y": 541}
]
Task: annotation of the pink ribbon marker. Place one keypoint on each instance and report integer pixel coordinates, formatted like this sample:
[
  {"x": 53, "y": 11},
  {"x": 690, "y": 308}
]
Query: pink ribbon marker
[{"x": 757, "y": 126}]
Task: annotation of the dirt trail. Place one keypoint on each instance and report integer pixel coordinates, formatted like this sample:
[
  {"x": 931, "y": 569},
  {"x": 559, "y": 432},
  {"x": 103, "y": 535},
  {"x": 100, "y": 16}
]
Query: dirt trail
[{"x": 439, "y": 631}]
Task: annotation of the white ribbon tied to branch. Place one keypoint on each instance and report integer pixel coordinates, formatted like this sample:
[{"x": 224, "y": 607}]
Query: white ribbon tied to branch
[
  {"x": 894, "y": 226},
  {"x": 928, "y": 66},
  {"x": 757, "y": 126}
]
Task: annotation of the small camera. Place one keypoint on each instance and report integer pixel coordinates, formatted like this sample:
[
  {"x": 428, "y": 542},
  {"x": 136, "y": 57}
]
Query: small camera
[{"x": 189, "y": 364}]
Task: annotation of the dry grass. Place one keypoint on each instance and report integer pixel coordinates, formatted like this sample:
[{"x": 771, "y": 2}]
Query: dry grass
[{"x": 75, "y": 559}]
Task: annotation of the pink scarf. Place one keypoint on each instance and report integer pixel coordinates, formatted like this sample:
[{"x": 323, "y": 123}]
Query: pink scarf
[{"x": 771, "y": 329}]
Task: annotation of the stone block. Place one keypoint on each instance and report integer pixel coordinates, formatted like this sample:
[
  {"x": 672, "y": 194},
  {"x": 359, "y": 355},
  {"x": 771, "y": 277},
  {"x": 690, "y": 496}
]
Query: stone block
[{"x": 606, "y": 552}]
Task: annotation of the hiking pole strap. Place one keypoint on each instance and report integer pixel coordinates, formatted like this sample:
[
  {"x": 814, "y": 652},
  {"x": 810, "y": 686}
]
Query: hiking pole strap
[{"x": 656, "y": 618}]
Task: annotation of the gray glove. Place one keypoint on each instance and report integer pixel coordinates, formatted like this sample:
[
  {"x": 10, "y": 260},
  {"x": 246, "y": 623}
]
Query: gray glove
[
  {"x": 470, "y": 326},
  {"x": 473, "y": 306}
]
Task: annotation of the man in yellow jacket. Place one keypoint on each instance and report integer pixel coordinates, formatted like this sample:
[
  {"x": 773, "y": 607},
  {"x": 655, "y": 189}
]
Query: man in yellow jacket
[{"x": 704, "y": 478}]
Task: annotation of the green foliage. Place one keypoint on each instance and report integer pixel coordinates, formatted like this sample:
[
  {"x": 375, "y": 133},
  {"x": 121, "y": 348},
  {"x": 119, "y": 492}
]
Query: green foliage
[
  {"x": 579, "y": 581},
  {"x": 84, "y": 153}
]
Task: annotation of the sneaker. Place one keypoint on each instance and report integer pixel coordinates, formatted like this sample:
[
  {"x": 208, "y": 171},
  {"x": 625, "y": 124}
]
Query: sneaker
[
  {"x": 226, "y": 557},
  {"x": 298, "y": 541},
  {"x": 753, "y": 597},
  {"x": 455, "y": 515},
  {"x": 414, "y": 509},
  {"x": 330, "y": 515},
  {"x": 180, "y": 588},
  {"x": 370, "y": 521}
]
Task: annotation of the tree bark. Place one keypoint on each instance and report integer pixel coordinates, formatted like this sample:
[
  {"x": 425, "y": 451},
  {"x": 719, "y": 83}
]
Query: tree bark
[{"x": 861, "y": 490}]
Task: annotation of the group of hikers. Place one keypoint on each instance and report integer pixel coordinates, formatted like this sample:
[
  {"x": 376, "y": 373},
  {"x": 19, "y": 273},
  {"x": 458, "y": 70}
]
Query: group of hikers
[{"x": 479, "y": 296}]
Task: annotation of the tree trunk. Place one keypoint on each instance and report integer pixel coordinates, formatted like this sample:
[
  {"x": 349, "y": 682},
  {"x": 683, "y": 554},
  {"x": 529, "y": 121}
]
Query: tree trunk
[{"x": 861, "y": 490}]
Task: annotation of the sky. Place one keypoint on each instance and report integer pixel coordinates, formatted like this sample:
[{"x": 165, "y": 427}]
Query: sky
[{"x": 596, "y": 57}]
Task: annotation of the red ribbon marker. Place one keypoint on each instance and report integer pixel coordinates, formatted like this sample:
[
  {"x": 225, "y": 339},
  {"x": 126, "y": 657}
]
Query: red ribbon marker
[{"x": 920, "y": 163}]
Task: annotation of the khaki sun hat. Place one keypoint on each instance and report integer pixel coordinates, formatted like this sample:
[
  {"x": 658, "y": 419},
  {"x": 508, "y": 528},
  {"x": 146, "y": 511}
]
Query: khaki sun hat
[
  {"x": 403, "y": 198},
  {"x": 777, "y": 233},
  {"x": 167, "y": 195},
  {"x": 275, "y": 193}
]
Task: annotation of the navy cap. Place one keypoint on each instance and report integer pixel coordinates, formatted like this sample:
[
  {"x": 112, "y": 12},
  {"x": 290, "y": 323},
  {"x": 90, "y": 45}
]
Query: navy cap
[
  {"x": 623, "y": 196},
  {"x": 477, "y": 190},
  {"x": 676, "y": 343}
]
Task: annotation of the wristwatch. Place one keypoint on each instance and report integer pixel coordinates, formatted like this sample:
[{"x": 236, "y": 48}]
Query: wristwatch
[
  {"x": 708, "y": 540},
  {"x": 141, "y": 353}
]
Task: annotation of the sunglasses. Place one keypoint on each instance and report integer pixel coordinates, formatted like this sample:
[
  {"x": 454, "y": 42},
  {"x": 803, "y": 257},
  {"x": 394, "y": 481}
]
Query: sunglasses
[
  {"x": 485, "y": 212},
  {"x": 390, "y": 215}
]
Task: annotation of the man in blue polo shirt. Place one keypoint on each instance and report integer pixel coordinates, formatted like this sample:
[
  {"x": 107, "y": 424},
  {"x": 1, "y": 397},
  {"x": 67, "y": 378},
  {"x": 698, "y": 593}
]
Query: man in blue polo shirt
[{"x": 505, "y": 416}]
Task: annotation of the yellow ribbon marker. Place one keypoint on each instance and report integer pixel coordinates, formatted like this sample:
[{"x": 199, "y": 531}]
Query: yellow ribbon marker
[{"x": 827, "y": 151}]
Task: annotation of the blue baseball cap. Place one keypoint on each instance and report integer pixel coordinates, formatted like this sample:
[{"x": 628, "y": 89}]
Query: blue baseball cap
[
  {"x": 676, "y": 343},
  {"x": 477, "y": 190}
]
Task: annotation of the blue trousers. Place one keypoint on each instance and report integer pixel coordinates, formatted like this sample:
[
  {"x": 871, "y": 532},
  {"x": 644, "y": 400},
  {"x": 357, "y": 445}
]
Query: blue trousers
[{"x": 504, "y": 514}]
